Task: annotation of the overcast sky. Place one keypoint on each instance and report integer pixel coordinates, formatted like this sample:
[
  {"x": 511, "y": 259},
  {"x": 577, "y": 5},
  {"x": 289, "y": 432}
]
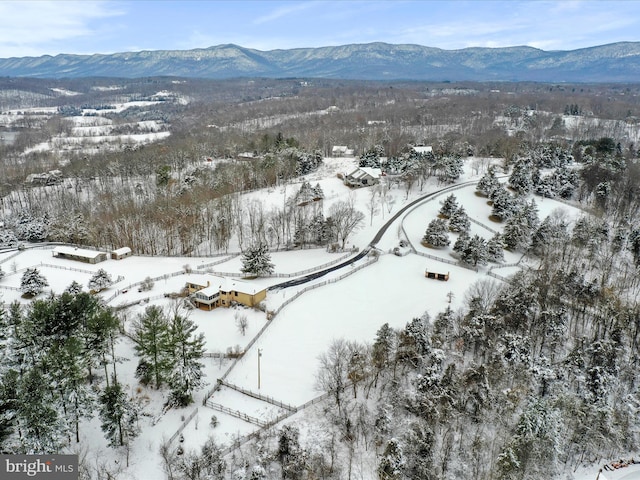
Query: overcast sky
[{"x": 33, "y": 28}]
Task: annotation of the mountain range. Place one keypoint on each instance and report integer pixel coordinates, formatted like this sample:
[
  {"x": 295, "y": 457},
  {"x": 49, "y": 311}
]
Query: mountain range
[{"x": 616, "y": 62}]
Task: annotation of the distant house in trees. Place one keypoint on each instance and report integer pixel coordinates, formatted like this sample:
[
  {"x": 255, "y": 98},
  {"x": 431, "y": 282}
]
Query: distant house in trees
[
  {"x": 120, "y": 253},
  {"x": 248, "y": 156},
  {"x": 52, "y": 177},
  {"x": 341, "y": 151},
  {"x": 422, "y": 149},
  {"x": 209, "y": 292},
  {"x": 363, "y": 177},
  {"x": 79, "y": 254}
]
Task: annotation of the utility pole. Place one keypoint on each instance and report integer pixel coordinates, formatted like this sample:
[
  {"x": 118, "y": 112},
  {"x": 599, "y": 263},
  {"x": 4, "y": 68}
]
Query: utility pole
[{"x": 259, "y": 355}]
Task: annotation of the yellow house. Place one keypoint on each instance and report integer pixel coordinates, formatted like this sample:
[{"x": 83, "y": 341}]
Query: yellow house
[{"x": 209, "y": 292}]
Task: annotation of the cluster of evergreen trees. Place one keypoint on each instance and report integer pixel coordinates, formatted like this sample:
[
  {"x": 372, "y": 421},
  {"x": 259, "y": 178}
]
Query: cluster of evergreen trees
[
  {"x": 472, "y": 250},
  {"x": 169, "y": 352},
  {"x": 58, "y": 367},
  {"x": 51, "y": 356}
]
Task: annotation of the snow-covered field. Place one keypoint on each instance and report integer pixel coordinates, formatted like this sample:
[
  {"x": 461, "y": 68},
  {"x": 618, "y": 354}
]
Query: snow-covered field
[
  {"x": 93, "y": 129},
  {"x": 391, "y": 290}
]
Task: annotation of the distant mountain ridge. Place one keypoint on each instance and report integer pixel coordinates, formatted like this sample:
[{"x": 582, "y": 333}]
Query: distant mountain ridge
[{"x": 616, "y": 62}]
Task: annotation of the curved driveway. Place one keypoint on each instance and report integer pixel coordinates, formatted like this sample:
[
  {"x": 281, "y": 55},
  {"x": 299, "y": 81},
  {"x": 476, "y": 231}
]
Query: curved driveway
[{"x": 372, "y": 244}]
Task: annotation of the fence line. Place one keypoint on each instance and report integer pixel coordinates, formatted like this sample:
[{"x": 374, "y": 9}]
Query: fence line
[
  {"x": 183, "y": 425},
  {"x": 225, "y": 259},
  {"x": 236, "y": 413},
  {"x": 482, "y": 225},
  {"x": 138, "y": 302},
  {"x": 7, "y": 287},
  {"x": 15, "y": 254},
  {"x": 62, "y": 267},
  {"x": 286, "y": 275},
  {"x": 499, "y": 277},
  {"x": 259, "y": 396}
]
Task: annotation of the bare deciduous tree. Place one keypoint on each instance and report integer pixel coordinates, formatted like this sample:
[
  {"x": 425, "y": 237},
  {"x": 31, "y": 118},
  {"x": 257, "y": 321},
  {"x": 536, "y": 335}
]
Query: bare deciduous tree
[
  {"x": 241, "y": 322},
  {"x": 346, "y": 219}
]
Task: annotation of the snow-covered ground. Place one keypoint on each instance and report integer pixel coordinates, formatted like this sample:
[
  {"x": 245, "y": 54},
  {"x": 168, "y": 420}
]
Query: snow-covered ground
[
  {"x": 92, "y": 129},
  {"x": 391, "y": 290}
]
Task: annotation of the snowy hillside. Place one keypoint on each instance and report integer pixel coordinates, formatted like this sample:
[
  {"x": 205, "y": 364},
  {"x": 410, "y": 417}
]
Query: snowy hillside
[{"x": 350, "y": 303}]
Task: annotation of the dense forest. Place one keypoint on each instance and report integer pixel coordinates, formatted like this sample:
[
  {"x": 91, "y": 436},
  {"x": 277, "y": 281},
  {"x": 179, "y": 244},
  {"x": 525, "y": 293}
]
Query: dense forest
[{"x": 532, "y": 377}]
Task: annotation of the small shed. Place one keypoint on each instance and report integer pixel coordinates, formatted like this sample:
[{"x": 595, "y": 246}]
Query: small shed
[
  {"x": 120, "y": 253},
  {"x": 437, "y": 276},
  {"x": 79, "y": 254}
]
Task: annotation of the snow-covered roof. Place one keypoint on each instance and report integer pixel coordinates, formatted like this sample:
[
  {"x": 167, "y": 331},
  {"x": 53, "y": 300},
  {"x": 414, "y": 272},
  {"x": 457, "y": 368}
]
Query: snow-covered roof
[
  {"x": 77, "y": 252},
  {"x": 209, "y": 291},
  {"x": 423, "y": 149},
  {"x": 216, "y": 283},
  {"x": 121, "y": 251},
  {"x": 364, "y": 172},
  {"x": 342, "y": 150}
]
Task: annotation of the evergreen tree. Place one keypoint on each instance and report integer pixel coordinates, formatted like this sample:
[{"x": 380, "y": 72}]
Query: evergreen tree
[
  {"x": 118, "y": 414},
  {"x": 413, "y": 341},
  {"x": 256, "y": 261},
  {"x": 521, "y": 177},
  {"x": 565, "y": 181},
  {"x": 452, "y": 168},
  {"x": 186, "y": 352},
  {"x": 37, "y": 414},
  {"x": 459, "y": 221},
  {"x": 305, "y": 195},
  {"x": 74, "y": 288},
  {"x": 488, "y": 183},
  {"x": 392, "y": 462},
  {"x": 449, "y": 206},
  {"x": 383, "y": 347},
  {"x": 371, "y": 158},
  {"x": 151, "y": 334},
  {"x": 517, "y": 234},
  {"x": 503, "y": 204},
  {"x": 100, "y": 280},
  {"x": 318, "y": 194},
  {"x": 291, "y": 456},
  {"x": 32, "y": 282},
  {"x": 583, "y": 232},
  {"x": 213, "y": 462},
  {"x": 9, "y": 380},
  {"x": 98, "y": 329},
  {"x": 420, "y": 445},
  {"x": 495, "y": 249},
  {"x": 66, "y": 363},
  {"x": 476, "y": 251},
  {"x": 436, "y": 234},
  {"x": 461, "y": 244}
]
